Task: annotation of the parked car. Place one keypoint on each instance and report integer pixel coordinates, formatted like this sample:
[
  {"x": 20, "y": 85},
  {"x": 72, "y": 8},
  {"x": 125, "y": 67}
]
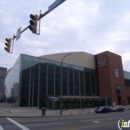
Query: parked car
[
  {"x": 117, "y": 108},
  {"x": 102, "y": 109}
]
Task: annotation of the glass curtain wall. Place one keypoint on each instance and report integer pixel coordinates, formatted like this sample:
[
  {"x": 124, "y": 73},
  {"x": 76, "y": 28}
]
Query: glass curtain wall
[
  {"x": 39, "y": 83},
  {"x": 12, "y": 83}
]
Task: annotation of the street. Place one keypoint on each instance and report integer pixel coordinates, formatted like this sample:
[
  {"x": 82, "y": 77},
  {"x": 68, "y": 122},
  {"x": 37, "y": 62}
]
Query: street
[{"x": 105, "y": 121}]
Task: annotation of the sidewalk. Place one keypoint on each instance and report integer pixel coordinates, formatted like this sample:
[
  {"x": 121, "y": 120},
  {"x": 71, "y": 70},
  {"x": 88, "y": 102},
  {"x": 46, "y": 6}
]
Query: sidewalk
[{"x": 6, "y": 110}]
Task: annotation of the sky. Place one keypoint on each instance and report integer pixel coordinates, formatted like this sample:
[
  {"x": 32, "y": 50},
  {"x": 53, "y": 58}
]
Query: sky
[{"x": 92, "y": 26}]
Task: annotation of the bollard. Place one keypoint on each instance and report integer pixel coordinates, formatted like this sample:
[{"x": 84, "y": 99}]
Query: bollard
[{"x": 70, "y": 112}]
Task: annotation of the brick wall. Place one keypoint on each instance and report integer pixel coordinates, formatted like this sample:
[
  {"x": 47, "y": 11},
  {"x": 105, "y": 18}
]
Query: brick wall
[{"x": 107, "y": 63}]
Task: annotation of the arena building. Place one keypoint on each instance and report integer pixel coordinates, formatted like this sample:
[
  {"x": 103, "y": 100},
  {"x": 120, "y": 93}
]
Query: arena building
[{"x": 68, "y": 80}]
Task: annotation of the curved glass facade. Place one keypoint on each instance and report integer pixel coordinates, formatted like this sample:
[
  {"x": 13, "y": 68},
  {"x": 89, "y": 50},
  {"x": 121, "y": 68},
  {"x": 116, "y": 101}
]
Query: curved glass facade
[
  {"x": 35, "y": 81},
  {"x": 12, "y": 82}
]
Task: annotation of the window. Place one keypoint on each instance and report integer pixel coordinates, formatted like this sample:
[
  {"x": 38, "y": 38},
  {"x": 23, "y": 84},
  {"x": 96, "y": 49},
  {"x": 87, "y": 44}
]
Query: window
[
  {"x": 116, "y": 73},
  {"x": 119, "y": 90},
  {"x": 127, "y": 82},
  {"x": 2, "y": 81}
]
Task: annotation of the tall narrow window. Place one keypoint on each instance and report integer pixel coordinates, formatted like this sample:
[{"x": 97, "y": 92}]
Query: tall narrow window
[{"x": 116, "y": 73}]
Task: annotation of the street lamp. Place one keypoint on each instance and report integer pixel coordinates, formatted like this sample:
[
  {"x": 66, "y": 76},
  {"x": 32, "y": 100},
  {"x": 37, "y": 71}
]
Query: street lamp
[{"x": 61, "y": 84}]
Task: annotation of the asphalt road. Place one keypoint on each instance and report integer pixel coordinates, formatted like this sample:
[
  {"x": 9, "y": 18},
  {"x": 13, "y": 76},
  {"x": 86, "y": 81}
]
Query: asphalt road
[{"x": 105, "y": 121}]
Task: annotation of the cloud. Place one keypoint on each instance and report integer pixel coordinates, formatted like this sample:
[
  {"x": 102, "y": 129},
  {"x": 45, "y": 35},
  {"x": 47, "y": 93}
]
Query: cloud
[{"x": 76, "y": 25}]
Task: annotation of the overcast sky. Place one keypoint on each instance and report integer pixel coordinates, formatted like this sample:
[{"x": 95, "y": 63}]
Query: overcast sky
[{"x": 92, "y": 26}]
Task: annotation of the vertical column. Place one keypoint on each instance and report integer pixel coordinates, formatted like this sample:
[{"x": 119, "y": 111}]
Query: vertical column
[
  {"x": 79, "y": 88},
  {"x": 54, "y": 79},
  {"x": 79, "y": 83},
  {"x": 47, "y": 80},
  {"x": 61, "y": 91},
  {"x": 67, "y": 81},
  {"x": 96, "y": 85},
  {"x": 33, "y": 88},
  {"x": 84, "y": 83},
  {"x": 38, "y": 94},
  {"x": 47, "y": 101},
  {"x": 73, "y": 83},
  {"x": 90, "y": 87},
  {"x": 29, "y": 92}
]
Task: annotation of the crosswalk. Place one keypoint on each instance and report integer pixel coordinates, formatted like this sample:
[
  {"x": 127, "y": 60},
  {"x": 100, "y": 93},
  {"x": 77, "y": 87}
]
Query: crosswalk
[
  {"x": 17, "y": 124},
  {"x": 12, "y": 124},
  {"x": 1, "y": 128},
  {"x": 49, "y": 123}
]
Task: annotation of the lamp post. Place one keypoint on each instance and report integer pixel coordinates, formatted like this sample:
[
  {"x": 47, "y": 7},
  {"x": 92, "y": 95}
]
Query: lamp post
[{"x": 61, "y": 84}]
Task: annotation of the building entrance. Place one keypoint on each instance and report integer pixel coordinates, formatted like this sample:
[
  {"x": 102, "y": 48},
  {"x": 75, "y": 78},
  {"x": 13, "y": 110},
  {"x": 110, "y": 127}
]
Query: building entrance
[{"x": 119, "y": 100}]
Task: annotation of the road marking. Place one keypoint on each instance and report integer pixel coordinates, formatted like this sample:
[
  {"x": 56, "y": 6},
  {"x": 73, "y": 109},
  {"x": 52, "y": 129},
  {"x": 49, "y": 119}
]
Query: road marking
[
  {"x": 1, "y": 128},
  {"x": 46, "y": 124},
  {"x": 96, "y": 122},
  {"x": 8, "y": 111},
  {"x": 19, "y": 125}
]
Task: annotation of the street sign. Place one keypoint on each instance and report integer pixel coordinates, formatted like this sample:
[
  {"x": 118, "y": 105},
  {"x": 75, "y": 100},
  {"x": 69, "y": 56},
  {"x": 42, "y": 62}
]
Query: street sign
[
  {"x": 55, "y": 4},
  {"x": 18, "y": 34}
]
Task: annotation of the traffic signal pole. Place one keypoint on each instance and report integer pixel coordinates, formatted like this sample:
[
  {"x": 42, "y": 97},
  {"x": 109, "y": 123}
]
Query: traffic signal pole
[
  {"x": 42, "y": 15},
  {"x": 51, "y": 8}
]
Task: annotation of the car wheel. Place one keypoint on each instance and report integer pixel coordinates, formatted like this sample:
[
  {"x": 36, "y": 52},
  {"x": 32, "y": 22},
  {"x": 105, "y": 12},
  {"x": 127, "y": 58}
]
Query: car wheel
[{"x": 116, "y": 110}]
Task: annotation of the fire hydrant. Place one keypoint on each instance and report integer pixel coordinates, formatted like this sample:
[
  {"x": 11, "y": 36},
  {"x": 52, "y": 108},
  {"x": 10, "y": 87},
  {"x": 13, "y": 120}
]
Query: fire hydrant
[{"x": 70, "y": 112}]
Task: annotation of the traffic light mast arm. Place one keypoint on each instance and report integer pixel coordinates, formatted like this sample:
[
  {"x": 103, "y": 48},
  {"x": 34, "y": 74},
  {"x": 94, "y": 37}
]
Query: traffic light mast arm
[{"x": 40, "y": 17}]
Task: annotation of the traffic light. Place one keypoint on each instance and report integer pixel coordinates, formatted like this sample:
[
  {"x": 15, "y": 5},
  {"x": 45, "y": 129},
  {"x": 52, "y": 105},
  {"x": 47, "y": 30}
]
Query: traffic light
[
  {"x": 8, "y": 44},
  {"x": 33, "y": 23}
]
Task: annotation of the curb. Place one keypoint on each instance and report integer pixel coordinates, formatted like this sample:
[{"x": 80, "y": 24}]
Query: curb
[{"x": 42, "y": 116}]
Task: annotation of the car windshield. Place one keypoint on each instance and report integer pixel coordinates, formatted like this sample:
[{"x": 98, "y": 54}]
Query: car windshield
[
  {"x": 120, "y": 106},
  {"x": 100, "y": 107},
  {"x": 115, "y": 106}
]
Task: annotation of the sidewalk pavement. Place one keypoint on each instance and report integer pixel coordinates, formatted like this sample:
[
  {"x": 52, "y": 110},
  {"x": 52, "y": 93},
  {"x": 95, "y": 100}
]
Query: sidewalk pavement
[{"x": 6, "y": 110}]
